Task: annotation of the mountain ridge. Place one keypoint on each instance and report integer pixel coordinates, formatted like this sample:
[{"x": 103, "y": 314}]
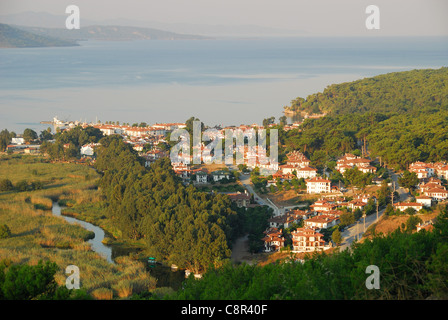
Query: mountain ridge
[
  {"x": 110, "y": 33},
  {"x": 12, "y": 37}
]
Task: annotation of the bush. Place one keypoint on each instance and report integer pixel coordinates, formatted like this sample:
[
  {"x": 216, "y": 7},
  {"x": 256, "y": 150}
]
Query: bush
[
  {"x": 102, "y": 294},
  {"x": 124, "y": 288},
  {"x": 22, "y": 186},
  {"x": 5, "y": 232},
  {"x": 25, "y": 282},
  {"x": 6, "y": 185}
]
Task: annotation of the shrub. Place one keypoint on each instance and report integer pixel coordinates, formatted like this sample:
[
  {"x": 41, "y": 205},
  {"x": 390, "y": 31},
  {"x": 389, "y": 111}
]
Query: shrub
[
  {"x": 102, "y": 294},
  {"x": 22, "y": 186},
  {"x": 124, "y": 288},
  {"x": 6, "y": 185},
  {"x": 5, "y": 232}
]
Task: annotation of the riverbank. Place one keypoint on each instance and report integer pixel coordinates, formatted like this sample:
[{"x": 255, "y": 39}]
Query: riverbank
[{"x": 36, "y": 234}]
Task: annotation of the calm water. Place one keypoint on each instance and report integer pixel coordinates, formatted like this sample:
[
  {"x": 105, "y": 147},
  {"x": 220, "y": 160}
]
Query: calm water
[
  {"x": 218, "y": 81},
  {"x": 96, "y": 242},
  {"x": 164, "y": 275}
]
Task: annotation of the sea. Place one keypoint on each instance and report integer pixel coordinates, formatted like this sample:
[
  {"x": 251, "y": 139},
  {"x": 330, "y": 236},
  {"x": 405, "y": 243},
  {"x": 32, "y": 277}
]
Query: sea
[{"x": 219, "y": 81}]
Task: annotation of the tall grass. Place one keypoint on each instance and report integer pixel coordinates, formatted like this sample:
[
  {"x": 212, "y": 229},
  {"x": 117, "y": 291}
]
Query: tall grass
[
  {"x": 41, "y": 202},
  {"x": 103, "y": 294},
  {"x": 38, "y": 235}
]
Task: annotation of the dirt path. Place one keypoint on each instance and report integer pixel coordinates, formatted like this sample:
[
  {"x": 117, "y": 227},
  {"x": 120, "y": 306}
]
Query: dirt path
[{"x": 240, "y": 251}]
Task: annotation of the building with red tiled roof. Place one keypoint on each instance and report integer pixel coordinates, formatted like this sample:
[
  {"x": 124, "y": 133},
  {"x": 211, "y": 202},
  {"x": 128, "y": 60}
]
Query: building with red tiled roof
[
  {"x": 404, "y": 205},
  {"x": 273, "y": 240},
  {"x": 297, "y": 159},
  {"x": 308, "y": 240},
  {"x": 437, "y": 193},
  {"x": 241, "y": 199},
  {"x": 323, "y": 206},
  {"x": 318, "y": 185},
  {"x": 349, "y": 161},
  {"x": 322, "y": 221}
]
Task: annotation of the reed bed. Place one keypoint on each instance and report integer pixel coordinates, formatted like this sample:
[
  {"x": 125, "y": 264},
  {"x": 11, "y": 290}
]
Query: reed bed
[{"x": 38, "y": 235}]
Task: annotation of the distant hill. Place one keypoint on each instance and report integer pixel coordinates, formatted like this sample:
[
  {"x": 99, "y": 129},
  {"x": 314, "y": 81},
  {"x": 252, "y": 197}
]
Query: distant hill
[
  {"x": 12, "y": 37},
  {"x": 399, "y": 92},
  {"x": 110, "y": 33},
  {"x": 48, "y": 20}
]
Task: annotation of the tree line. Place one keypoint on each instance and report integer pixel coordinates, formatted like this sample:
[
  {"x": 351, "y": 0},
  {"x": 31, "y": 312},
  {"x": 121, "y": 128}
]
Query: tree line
[
  {"x": 412, "y": 265},
  {"x": 396, "y": 139},
  {"x": 67, "y": 143},
  {"x": 397, "y": 92},
  {"x": 177, "y": 223}
]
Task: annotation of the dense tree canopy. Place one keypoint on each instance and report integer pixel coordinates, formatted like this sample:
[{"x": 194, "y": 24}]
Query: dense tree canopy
[
  {"x": 68, "y": 142},
  {"x": 397, "y": 92},
  {"x": 412, "y": 265},
  {"x": 5, "y": 138},
  {"x": 179, "y": 224},
  {"x": 400, "y": 117},
  {"x": 398, "y": 139}
]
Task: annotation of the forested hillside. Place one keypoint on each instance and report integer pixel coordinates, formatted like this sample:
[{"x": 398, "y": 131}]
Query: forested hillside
[
  {"x": 11, "y": 37},
  {"x": 399, "y": 92},
  {"x": 399, "y": 139},
  {"x": 401, "y": 117},
  {"x": 178, "y": 224}
]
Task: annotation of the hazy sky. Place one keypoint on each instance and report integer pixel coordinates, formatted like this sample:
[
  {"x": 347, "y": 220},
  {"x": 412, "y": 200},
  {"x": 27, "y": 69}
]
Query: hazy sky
[{"x": 313, "y": 17}]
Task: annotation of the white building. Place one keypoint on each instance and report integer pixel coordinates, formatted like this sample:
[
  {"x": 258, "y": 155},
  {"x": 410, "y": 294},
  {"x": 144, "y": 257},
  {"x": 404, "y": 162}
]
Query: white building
[
  {"x": 220, "y": 174},
  {"x": 424, "y": 200},
  {"x": 201, "y": 177},
  {"x": 318, "y": 185},
  {"x": 404, "y": 205},
  {"x": 88, "y": 149},
  {"x": 321, "y": 222},
  {"x": 306, "y": 172}
]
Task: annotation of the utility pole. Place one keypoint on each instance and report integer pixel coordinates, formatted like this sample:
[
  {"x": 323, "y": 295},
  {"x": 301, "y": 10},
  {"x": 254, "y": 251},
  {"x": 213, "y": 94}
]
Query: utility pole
[
  {"x": 364, "y": 216},
  {"x": 357, "y": 230},
  {"x": 393, "y": 184},
  {"x": 377, "y": 205}
]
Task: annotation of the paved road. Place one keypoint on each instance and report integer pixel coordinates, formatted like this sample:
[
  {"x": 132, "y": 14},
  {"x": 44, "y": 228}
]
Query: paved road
[
  {"x": 403, "y": 193},
  {"x": 357, "y": 230},
  {"x": 247, "y": 183}
]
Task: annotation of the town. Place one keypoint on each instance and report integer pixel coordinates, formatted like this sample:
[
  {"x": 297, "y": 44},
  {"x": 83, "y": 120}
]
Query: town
[{"x": 320, "y": 213}]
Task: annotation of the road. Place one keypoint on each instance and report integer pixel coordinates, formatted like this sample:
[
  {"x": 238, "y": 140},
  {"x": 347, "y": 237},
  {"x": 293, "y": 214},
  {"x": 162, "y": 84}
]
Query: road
[
  {"x": 352, "y": 232},
  {"x": 357, "y": 230},
  {"x": 247, "y": 183}
]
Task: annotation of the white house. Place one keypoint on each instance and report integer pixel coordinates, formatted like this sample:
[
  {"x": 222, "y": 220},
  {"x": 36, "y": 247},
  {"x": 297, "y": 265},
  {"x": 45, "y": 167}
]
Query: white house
[
  {"x": 424, "y": 200},
  {"x": 17, "y": 141},
  {"x": 318, "y": 185},
  {"x": 88, "y": 149},
  {"x": 437, "y": 193},
  {"x": 201, "y": 177},
  {"x": 306, "y": 172},
  {"x": 308, "y": 240},
  {"x": 220, "y": 174},
  {"x": 273, "y": 241},
  {"x": 323, "y": 206},
  {"x": 321, "y": 222},
  {"x": 422, "y": 169},
  {"x": 404, "y": 205}
]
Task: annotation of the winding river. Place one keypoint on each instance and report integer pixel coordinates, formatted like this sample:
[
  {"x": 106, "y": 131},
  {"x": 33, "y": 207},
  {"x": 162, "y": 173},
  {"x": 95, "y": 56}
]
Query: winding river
[
  {"x": 164, "y": 274},
  {"x": 96, "y": 242}
]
